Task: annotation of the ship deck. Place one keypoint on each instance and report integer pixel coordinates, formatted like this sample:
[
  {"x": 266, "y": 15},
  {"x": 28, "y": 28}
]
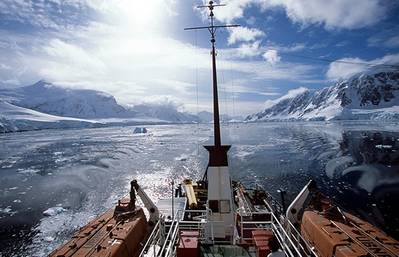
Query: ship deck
[
  {"x": 225, "y": 250},
  {"x": 167, "y": 236}
]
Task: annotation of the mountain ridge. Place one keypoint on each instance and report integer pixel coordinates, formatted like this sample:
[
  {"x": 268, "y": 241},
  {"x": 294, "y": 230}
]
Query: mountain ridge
[
  {"x": 48, "y": 98},
  {"x": 373, "y": 94},
  {"x": 44, "y": 105}
]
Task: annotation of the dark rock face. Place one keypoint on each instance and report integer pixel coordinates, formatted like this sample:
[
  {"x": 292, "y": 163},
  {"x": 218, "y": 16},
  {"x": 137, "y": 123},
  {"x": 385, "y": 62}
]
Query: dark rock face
[{"x": 377, "y": 88}]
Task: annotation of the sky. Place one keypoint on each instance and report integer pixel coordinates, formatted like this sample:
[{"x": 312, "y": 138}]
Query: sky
[{"x": 139, "y": 52}]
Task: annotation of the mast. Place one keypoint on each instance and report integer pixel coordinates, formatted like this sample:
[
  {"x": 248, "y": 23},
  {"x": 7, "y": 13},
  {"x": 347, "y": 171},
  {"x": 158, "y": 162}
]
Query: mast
[
  {"x": 219, "y": 193},
  {"x": 218, "y": 152}
]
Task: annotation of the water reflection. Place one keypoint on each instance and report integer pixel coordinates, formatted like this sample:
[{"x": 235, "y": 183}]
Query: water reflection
[
  {"x": 357, "y": 164},
  {"x": 367, "y": 176}
]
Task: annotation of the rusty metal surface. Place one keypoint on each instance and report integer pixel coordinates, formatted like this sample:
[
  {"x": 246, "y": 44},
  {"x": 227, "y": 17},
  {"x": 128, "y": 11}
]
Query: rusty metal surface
[
  {"x": 355, "y": 238},
  {"x": 109, "y": 235}
]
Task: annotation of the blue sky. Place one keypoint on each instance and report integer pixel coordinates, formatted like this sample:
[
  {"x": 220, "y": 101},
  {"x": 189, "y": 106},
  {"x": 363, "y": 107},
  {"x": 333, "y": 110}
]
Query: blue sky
[{"x": 139, "y": 52}]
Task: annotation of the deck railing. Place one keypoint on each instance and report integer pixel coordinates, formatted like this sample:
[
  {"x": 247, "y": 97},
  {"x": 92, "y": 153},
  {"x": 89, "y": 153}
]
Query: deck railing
[
  {"x": 165, "y": 236},
  {"x": 163, "y": 239},
  {"x": 288, "y": 236}
]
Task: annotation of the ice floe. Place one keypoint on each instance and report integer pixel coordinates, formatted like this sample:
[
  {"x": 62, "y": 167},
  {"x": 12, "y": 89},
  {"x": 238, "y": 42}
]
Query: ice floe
[{"x": 54, "y": 211}]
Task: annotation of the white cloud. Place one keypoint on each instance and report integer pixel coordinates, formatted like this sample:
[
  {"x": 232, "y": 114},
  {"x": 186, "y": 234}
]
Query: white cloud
[
  {"x": 233, "y": 10},
  {"x": 294, "y": 48},
  {"x": 136, "y": 63},
  {"x": 4, "y": 66},
  {"x": 248, "y": 50},
  {"x": 392, "y": 42},
  {"x": 244, "y": 34},
  {"x": 332, "y": 14},
  {"x": 290, "y": 94},
  {"x": 241, "y": 86},
  {"x": 41, "y": 14},
  {"x": 340, "y": 70},
  {"x": 272, "y": 57},
  {"x": 74, "y": 56},
  {"x": 297, "y": 47},
  {"x": 384, "y": 41},
  {"x": 347, "y": 67}
]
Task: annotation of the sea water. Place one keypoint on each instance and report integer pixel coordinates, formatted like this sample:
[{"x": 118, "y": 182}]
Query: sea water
[{"x": 54, "y": 181}]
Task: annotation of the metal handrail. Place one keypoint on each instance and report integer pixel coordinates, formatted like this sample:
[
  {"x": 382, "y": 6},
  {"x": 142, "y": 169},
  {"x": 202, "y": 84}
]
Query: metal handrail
[
  {"x": 170, "y": 234},
  {"x": 286, "y": 236},
  {"x": 302, "y": 240},
  {"x": 151, "y": 238},
  {"x": 170, "y": 240},
  {"x": 292, "y": 248},
  {"x": 292, "y": 242}
]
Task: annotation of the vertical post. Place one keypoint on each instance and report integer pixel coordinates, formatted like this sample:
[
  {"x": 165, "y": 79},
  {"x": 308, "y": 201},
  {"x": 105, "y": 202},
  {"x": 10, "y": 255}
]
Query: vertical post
[
  {"x": 282, "y": 194},
  {"x": 216, "y": 122},
  {"x": 173, "y": 200}
]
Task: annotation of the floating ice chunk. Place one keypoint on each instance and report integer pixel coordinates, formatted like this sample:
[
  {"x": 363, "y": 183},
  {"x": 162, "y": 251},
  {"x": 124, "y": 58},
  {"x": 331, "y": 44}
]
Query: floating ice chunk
[
  {"x": 182, "y": 158},
  {"x": 383, "y": 146},
  {"x": 27, "y": 171},
  {"x": 54, "y": 211},
  {"x": 139, "y": 130},
  {"x": 6, "y": 210},
  {"x": 17, "y": 201},
  {"x": 49, "y": 239},
  {"x": 59, "y": 160}
]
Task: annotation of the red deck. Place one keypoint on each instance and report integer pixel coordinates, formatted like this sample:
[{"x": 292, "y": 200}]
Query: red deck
[
  {"x": 188, "y": 244},
  {"x": 261, "y": 240}
]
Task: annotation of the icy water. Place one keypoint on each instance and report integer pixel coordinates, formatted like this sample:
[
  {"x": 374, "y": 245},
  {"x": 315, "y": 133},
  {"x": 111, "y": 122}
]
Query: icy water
[{"x": 54, "y": 181}]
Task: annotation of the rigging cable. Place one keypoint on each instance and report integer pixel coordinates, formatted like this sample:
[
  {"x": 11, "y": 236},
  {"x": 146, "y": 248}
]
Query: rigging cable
[
  {"x": 232, "y": 88},
  {"x": 222, "y": 87},
  {"x": 196, "y": 88},
  {"x": 224, "y": 96}
]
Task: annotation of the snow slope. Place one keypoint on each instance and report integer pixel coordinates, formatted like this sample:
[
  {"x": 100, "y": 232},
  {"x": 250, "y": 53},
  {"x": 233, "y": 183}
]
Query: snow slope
[
  {"x": 370, "y": 95},
  {"x": 48, "y": 98},
  {"x": 165, "y": 111},
  {"x": 45, "y": 97},
  {"x": 44, "y": 106},
  {"x": 15, "y": 118}
]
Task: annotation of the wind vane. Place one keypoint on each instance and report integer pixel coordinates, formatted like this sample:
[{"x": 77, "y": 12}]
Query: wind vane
[{"x": 218, "y": 148}]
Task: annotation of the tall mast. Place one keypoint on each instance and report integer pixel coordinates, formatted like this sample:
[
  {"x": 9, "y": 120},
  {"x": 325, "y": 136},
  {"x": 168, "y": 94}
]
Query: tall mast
[
  {"x": 217, "y": 175},
  {"x": 212, "y": 30}
]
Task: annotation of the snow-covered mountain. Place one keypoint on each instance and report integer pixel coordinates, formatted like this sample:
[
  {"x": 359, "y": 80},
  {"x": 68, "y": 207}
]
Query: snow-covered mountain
[
  {"x": 207, "y": 117},
  {"x": 44, "y": 105},
  {"x": 163, "y": 111},
  {"x": 15, "y": 118},
  {"x": 48, "y": 98},
  {"x": 370, "y": 95}
]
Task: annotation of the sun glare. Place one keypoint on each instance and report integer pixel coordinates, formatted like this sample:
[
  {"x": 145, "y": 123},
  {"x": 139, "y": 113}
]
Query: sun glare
[{"x": 140, "y": 15}]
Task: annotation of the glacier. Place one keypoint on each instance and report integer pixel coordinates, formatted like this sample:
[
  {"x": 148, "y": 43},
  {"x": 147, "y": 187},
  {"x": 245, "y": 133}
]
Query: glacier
[
  {"x": 15, "y": 118},
  {"x": 48, "y": 98},
  {"x": 44, "y": 105}
]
